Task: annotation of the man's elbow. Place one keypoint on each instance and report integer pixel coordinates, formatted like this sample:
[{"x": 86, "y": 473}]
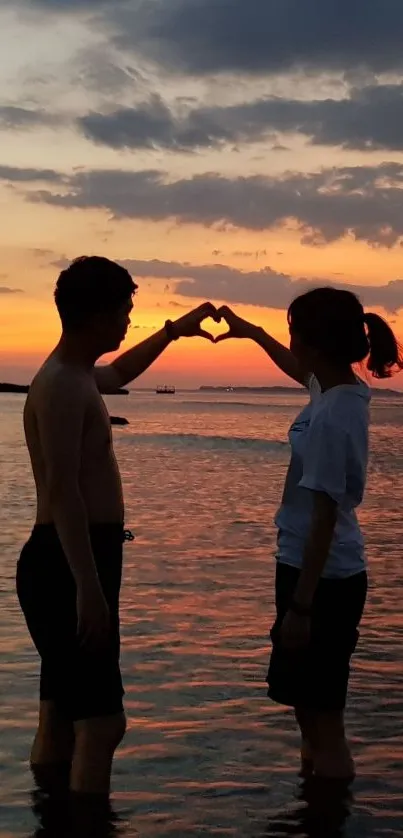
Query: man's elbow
[
  {"x": 108, "y": 379},
  {"x": 117, "y": 376}
]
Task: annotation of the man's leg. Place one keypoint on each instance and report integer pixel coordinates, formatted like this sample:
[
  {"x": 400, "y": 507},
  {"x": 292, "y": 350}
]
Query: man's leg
[
  {"x": 52, "y": 750},
  {"x": 54, "y": 739},
  {"x": 96, "y": 741},
  {"x": 95, "y": 683},
  {"x": 332, "y": 756}
]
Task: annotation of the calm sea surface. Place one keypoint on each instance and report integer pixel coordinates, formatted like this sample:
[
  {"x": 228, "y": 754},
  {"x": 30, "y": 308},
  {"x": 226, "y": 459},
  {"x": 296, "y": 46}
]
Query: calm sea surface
[{"x": 206, "y": 753}]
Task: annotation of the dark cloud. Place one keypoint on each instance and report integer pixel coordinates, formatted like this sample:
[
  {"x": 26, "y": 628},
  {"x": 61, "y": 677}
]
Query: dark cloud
[
  {"x": 13, "y": 117},
  {"x": 4, "y": 289},
  {"x": 262, "y": 36},
  {"x": 149, "y": 125},
  {"x": 364, "y": 202},
  {"x": 26, "y": 175},
  {"x": 258, "y": 288},
  {"x": 63, "y": 6},
  {"x": 372, "y": 118},
  {"x": 258, "y": 36},
  {"x": 265, "y": 288}
]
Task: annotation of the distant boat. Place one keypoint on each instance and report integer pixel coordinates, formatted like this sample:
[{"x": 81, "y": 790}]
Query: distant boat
[{"x": 165, "y": 389}]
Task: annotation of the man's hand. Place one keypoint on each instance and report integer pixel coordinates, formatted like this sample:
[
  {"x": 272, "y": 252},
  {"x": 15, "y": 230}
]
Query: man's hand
[
  {"x": 295, "y": 631},
  {"x": 189, "y": 325},
  {"x": 237, "y": 326},
  {"x": 93, "y": 622}
]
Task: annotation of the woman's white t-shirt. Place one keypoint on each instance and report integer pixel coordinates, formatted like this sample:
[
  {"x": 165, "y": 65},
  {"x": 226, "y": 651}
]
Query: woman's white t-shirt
[{"x": 329, "y": 453}]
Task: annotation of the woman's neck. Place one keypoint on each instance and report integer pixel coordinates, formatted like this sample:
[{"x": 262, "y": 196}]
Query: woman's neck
[{"x": 329, "y": 376}]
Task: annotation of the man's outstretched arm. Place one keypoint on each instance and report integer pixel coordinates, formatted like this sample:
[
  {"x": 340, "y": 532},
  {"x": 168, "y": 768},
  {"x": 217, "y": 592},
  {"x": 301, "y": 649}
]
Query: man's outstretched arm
[{"x": 137, "y": 360}]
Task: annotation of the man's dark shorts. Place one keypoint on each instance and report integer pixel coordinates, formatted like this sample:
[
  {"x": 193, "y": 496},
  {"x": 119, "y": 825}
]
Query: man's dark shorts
[{"x": 82, "y": 685}]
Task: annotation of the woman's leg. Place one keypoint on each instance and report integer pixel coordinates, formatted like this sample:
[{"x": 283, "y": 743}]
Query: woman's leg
[
  {"x": 283, "y": 678},
  {"x": 332, "y": 755},
  {"x": 306, "y": 722},
  {"x": 340, "y": 606}
]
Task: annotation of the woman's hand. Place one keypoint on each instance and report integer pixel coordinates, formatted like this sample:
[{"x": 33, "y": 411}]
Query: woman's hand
[
  {"x": 190, "y": 325},
  {"x": 295, "y": 631},
  {"x": 237, "y": 326}
]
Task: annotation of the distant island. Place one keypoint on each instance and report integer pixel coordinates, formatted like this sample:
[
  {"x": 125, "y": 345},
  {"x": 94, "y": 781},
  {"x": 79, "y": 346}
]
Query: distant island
[
  {"x": 222, "y": 389},
  {"x": 380, "y": 391},
  {"x": 5, "y": 387},
  {"x": 13, "y": 388}
]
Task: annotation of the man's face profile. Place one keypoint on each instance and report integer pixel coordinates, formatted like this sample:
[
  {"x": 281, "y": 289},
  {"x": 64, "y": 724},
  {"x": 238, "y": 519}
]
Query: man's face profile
[{"x": 111, "y": 326}]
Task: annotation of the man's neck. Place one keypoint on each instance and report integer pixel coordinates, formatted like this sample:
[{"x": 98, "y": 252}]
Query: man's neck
[{"x": 74, "y": 350}]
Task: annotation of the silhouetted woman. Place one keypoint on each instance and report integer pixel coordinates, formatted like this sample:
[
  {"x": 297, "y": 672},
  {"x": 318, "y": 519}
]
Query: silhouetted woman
[{"x": 321, "y": 579}]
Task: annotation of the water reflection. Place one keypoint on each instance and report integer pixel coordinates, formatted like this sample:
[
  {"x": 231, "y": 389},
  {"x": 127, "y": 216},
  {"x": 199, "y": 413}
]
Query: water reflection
[
  {"x": 322, "y": 811},
  {"x": 58, "y": 816},
  {"x": 205, "y": 752}
]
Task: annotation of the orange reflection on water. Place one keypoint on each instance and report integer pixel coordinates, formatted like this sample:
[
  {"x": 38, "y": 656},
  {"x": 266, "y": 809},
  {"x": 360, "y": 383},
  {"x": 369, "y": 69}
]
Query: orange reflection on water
[{"x": 205, "y": 752}]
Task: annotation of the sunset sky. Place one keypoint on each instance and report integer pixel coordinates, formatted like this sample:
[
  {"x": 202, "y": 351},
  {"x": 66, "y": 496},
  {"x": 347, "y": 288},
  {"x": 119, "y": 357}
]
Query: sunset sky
[{"x": 220, "y": 149}]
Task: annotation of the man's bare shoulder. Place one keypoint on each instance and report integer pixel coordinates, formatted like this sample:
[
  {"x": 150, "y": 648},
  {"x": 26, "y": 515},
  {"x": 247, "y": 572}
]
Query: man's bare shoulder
[{"x": 56, "y": 381}]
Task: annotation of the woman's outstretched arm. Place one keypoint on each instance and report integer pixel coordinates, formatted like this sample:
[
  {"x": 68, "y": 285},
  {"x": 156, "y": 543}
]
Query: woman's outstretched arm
[{"x": 281, "y": 356}]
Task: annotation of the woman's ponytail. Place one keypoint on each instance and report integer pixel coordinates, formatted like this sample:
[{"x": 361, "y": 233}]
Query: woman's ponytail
[{"x": 385, "y": 356}]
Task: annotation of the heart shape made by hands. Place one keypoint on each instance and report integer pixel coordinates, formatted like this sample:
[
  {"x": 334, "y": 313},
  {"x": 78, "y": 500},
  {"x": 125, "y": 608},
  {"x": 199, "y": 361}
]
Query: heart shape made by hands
[
  {"x": 192, "y": 324},
  {"x": 213, "y": 330},
  {"x": 216, "y": 337},
  {"x": 223, "y": 335},
  {"x": 203, "y": 314}
]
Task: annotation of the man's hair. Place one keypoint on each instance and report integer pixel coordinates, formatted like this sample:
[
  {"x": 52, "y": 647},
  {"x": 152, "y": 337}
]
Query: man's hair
[{"x": 90, "y": 285}]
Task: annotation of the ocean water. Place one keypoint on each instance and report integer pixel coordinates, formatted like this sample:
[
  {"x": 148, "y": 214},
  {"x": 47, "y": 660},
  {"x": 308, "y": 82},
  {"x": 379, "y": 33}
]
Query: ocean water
[{"x": 206, "y": 753}]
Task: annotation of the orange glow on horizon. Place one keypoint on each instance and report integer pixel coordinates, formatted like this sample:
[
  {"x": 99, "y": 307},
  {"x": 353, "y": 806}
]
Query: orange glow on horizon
[{"x": 31, "y": 251}]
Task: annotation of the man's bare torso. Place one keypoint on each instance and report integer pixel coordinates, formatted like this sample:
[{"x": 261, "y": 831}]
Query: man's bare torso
[{"x": 99, "y": 479}]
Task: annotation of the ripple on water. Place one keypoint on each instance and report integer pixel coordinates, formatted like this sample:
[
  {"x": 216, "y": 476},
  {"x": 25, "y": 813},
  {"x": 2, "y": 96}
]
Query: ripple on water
[{"x": 205, "y": 752}]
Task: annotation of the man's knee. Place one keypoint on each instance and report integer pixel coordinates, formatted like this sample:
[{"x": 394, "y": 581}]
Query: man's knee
[
  {"x": 101, "y": 733},
  {"x": 51, "y": 718},
  {"x": 54, "y": 739}
]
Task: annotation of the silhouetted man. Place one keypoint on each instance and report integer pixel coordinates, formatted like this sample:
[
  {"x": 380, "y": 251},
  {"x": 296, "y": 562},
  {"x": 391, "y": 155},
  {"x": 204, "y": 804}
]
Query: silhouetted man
[{"x": 69, "y": 572}]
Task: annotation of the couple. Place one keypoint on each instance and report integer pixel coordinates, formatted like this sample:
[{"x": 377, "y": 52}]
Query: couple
[{"x": 69, "y": 571}]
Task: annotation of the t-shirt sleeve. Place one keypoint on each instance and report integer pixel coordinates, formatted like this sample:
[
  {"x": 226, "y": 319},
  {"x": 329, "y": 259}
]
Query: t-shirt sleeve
[
  {"x": 325, "y": 459},
  {"x": 313, "y": 387}
]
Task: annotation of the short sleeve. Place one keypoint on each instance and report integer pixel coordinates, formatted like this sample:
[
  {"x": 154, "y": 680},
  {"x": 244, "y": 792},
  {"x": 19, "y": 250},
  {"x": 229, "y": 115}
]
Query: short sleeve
[
  {"x": 313, "y": 387},
  {"x": 325, "y": 459}
]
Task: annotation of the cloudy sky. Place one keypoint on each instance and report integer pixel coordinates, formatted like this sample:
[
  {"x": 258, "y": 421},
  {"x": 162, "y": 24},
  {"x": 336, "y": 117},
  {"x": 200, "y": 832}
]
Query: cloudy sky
[{"x": 235, "y": 150}]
